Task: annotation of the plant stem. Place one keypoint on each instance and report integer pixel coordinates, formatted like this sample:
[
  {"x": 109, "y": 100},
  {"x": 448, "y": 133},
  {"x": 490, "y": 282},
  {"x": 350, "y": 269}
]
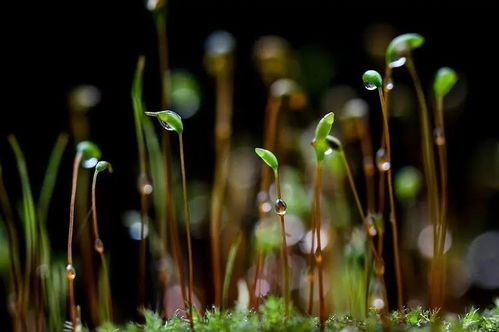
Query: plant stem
[
  {"x": 311, "y": 267},
  {"x": 318, "y": 254},
  {"x": 161, "y": 29},
  {"x": 429, "y": 172},
  {"x": 271, "y": 116},
  {"x": 187, "y": 222},
  {"x": 367, "y": 161},
  {"x": 352, "y": 185},
  {"x": 99, "y": 247},
  {"x": 392, "y": 217},
  {"x": 71, "y": 308},
  {"x": 14, "y": 286},
  {"x": 284, "y": 251},
  {"x": 440, "y": 141},
  {"x": 223, "y": 131},
  {"x": 172, "y": 219}
]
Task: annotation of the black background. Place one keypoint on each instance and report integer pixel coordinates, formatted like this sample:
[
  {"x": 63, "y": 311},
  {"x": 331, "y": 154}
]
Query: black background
[{"x": 52, "y": 47}]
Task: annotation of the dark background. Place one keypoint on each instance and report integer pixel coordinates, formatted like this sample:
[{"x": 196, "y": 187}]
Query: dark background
[{"x": 54, "y": 47}]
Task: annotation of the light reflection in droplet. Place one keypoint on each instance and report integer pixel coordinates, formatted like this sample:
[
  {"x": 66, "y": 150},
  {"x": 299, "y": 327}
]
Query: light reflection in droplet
[
  {"x": 90, "y": 162},
  {"x": 425, "y": 241},
  {"x": 378, "y": 303},
  {"x": 399, "y": 62}
]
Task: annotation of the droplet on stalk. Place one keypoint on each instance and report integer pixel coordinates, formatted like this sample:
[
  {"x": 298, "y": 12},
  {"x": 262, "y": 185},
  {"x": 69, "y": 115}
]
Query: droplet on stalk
[
  {"x": 99, "y": 246},
  {"x": 70, "y": 272},
  {"x": 382, "y": 160},
  {"x": 280, "y": 207}
]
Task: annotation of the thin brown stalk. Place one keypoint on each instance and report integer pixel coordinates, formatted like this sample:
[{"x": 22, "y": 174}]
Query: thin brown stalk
[
  {"x": 223, "y": 131},
  {"x": 440, "y": 141},
  {"x": 187, "y": 222},
  {"x": 70, "y": 277},
  {"x": 99, "y": 247},
  {"x": 429, "y": 173},
  {"x": 318, "y": 254},
  {"x": 392, "y": 217},
  {"x": 364, "y": 133},
  {"x": 284, "y": 251},
  {"x": 271, "y": 116}
]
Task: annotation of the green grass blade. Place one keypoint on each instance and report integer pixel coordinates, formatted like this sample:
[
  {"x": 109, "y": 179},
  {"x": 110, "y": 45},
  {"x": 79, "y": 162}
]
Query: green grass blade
[
  {"x": 28, "y": 215},
  {"x": 138, "y": 111},
  {"x": 158, "y": 174},
  {"x": 228, "y": 269},
  {"x": 8, "y": 218}
]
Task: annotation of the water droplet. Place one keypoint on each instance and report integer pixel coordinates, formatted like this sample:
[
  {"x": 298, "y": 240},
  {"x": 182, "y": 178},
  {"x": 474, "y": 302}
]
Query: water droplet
[
  {"x": 398, "y": 62},
  {"x": 144, "y": 185},
  {"x": 70, "y": 272},
  {"x": 165, "y": 125},
  {"x": 439, "y": 136},
  {"x": 99, "y": 246},
  {"x": 371, "y": 228},
  {"x": 89, "y": 163},
  {"x": 280, "y": 207},
  {"x": 328, "y": 152},
  {"x": 370, "y": 86},
  {"x": 382, "y": 160},
  {"x": 389, "y": 84}
]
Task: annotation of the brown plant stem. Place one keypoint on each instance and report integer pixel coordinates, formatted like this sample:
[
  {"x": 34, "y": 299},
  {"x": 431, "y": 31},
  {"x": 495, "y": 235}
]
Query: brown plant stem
[
  {"x": 318, "y": 254},
  {"x": 187, "y": 222},
  {"x": 271, "y": 116},
  {"x": 430, "y": 175},
  {"x": 440, "y": 141},
  {"x": 392, "y": 216},
  {"x": 100, "y": 251},
  {"x": 223, "y": 132},
  {"x": 284, "y": 252},
  {"x": 71, "y": 304}
]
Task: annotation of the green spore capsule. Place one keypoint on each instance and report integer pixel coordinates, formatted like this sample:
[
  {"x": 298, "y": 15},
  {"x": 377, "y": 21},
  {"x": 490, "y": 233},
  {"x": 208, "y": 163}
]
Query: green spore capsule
[
  {"x": 169, "y": 120},
  {"x": 372, "y": 80},
  {"x": 400, "y": 46},
  {"x": 90, "y": 153},
  {"x": 445, "y": 79},
  {"x": 268, "y": 157},
  {"x": 103, "y": 166}
]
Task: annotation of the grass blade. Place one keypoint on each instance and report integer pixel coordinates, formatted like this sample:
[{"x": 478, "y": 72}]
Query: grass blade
[
  {"x": 28, "y": 217},
  {"x": 228, "y": 269}
]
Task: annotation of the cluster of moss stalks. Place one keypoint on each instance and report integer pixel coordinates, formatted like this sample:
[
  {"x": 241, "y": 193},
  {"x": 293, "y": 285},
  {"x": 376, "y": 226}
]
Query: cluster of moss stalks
[{"x": 269, "y": 317}]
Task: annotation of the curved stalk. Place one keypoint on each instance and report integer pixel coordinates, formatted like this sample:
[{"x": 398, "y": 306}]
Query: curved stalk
[
  {"x": 70, "y": 268},
  {"x": 187, "y": 222},
  {"x": 99, "y": 247},
  {"x": 391, "y": 196}
]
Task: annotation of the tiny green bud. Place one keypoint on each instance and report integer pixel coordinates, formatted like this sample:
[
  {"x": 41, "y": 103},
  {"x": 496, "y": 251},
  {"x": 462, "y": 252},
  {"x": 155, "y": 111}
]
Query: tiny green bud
[
  {"x": 88, "y": 149},
  {"x": 102, "y": 166},
  {"x": 324, "y": 127},
  {"x": 321, "y": 147},
  {"x": 444, "y": 81},
  {"x": 334, "y": 143},
  {"x": 408, "y": 183},
  {"x": 170, "y": 120},
  {"x": 401, "y": 45},
  {"x": 268, "y": 157},
  {"x": 372, "y": 80}
]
